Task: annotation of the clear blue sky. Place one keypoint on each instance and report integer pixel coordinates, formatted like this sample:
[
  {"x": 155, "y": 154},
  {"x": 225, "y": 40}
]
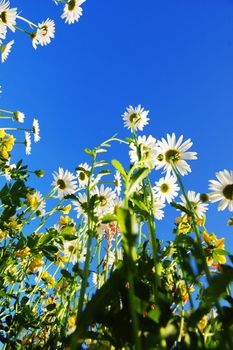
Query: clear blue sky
[{"x": 173, "y": 57}]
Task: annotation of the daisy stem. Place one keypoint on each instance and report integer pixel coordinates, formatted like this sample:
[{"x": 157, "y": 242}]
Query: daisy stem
[
  {"x": 89, "y": 244},
  {"x": 22, "y": 129},
  {"x": 152, "y": 233},
  {"x": 27, "y": 21},
  {"x": 5, "y": 117},
  {"x": 23, "y": 30},
  {"x": 5, "y": 111},
  {"x": 190, "y": 207}
]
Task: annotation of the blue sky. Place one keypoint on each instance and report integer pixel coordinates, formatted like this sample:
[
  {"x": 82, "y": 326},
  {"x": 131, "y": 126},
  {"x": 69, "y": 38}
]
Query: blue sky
[{"x": 173, "y": 57}]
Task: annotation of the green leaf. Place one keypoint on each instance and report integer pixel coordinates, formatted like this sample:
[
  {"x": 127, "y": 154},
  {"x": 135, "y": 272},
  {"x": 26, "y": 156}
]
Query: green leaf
[
  {"x": 101, "y": 163},
  {"x": 69, "y": 237},
  {"x": 137, "y": 179},
  {"x": 181, "y": 207},
  {"x": 118, "y": 166},
  {"x": 66, "y": 274},
  {"x": 108, "y": 218},
  {"x": 89, "y": 151},
  {"x": 221, "y": 252}
]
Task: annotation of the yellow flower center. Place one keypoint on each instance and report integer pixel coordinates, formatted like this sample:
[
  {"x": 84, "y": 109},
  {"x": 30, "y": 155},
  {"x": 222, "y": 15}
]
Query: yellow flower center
[
  {"x": 71, "y": 5},
  {"x": 164, "y": 188},
  {"x": 172, "y": 155},
  {"x": 228, "y": 192},
  {"x": 61, "y": 184}
]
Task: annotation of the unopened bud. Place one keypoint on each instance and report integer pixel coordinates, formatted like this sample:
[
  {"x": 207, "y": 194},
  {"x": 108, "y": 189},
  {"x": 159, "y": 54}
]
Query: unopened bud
[
  {"x": 204, "y": 197},
  {"x": 39, "y": 173}
]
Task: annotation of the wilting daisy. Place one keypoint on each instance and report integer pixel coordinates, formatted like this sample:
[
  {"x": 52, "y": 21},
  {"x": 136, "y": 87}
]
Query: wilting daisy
[
  {"x": 72, "y": 251},
  {"x": 82, "y": 174},
  {"x": 106, "y": 198},
  {"x": 172, "y": 151},
  {"x": 65, "y": 182},
  {"x": 147, "y": 152},
  {"x": 19, "y": 116},
  {"x": 135, "y": 118},
  {"x": 166, "y": 189},
  {"x": 158, "y": 212},
  {"x": 194, "y": 198},
  {"x": 117, "y": 182},
  {"x": 27, "y": 143},
  {"x": 72, "y": 11},
  {"x": 48, "y": 30},
  {"x": 7, "y": 15},
  {"x": 6, "y": 49},
  {"x": 222, "y": 189},
  {"x": 36, "y": 130}
]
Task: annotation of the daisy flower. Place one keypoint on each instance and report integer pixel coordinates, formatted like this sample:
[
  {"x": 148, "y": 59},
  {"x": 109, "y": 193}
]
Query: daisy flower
[
  {"x": 194, "y": 198},
  {"x": 166, "y": 189},
  {"x": 135, "y": 118},
  {"x": 37, "y": 37},
  {"x": 174, "y": 151},
  {"x": 158, "y": 212},
  {"x": 6, "y": 49},
  {"x": 80, "y": 205},
  {"x": 82, "y": 175},
  {"x": 19, "y": 116},
  {"x": 3, "y": 30},
  {"x": 72, "y": 252},
  {"x": 106, "y": 198},
  {"x": 222, "y": 189},
  {"x": 27, "y": 143},
  {"x": 65, "y": 182},
  {"x": 36, "y": 130},
  {"x": 148, "y": 151},
  {"x": 72, "y": 11},
  {"x": 7, "y": 15},
  {"x": 117, "y": 182},
  {"x": 48, "y": 31}
]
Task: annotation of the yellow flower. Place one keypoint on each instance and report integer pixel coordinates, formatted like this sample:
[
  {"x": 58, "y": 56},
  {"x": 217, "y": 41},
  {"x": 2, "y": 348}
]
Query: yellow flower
[
  {"x": 36, "y": 263},
  {"x": 72, "y": 320},
  {"x": 4, "y": 153},
  {"x": 185, "y": 292},
  {"x": 32, "y": 201},
  {"x": 2, "y": 234},
  {"x": 202, "y": 323},
  {"x": 212, "y": 241},
  {"x": 49, "y": 280},
  {"x": 184, "y": 225},
  {"x": 23, "y": 253},
  {"x": 60, "y": 260},
  {"x": 214, "y": 244},
  {"x": 66, "y": 209},
  {"x": 65, "y": 221},
  {"x": 9, "y": 143},
  {"x": 2, "y": 133},
  {"x": 13, "y": 224}
]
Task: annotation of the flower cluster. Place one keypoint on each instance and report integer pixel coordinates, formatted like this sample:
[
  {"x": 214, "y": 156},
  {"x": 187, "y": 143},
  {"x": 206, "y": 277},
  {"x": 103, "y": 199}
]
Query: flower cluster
[{"x": 41, "y": 33}]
